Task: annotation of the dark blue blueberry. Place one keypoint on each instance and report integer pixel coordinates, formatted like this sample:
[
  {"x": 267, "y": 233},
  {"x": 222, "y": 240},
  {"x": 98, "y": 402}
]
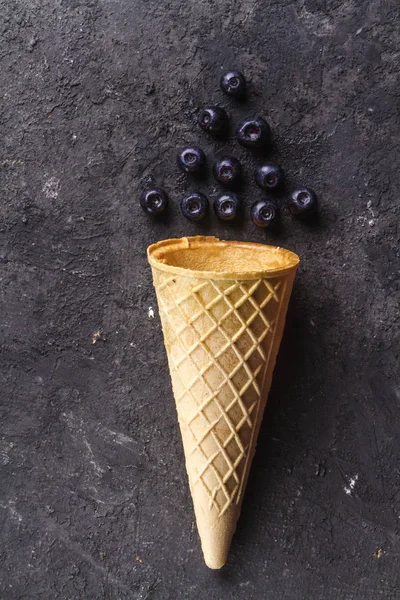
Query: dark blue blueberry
[
  {"x": 227, "y": 207},
  {"x": 154, "y": 201},
  {"x": 269, "y": 176},
  {"x": 191, "y": 159},
  {"x": 264, "y": 213},
  {"x": 254, "y": 132},
  {"x": 194, "y": 207},
  {"x": 214, "y": 120},
  {"x": 303, "y": 203},
  {"x": 233, "y": 83},
  {"x": 227, "y": 170}
]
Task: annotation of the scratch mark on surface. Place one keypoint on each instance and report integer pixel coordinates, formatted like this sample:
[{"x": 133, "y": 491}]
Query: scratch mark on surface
[
  {"x": 77, "y": 431},
  {"x": 11, "y": 162},
  {"x": 117, "y": 437},
  {"x": 249, "y": 13},
  {"x": 97, "y": 469},
  {"x": 62, "y": 536}
]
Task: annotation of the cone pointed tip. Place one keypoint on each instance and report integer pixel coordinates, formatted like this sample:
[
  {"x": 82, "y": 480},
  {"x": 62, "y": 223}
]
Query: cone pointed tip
[
  {"x": 215, "y": 563},
  {"x": 216, "y": 537}
]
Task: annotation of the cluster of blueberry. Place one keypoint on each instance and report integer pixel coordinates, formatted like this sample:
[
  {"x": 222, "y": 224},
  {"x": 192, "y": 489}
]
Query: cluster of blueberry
[{"x": 253, "y": 133}]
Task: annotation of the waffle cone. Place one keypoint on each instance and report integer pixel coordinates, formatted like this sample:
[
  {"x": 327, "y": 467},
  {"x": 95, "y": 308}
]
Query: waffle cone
[{"x": 223, "y": 308}]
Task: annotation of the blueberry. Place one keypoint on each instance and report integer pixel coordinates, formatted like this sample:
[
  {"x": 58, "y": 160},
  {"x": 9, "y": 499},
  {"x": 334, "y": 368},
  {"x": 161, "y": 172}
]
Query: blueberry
[
  {"x": 227, "y": 207},
  {"x": 303, "y": 203},
  {"x": 227, "y": 170},
  {"x": 191, "y": 159},
  {"x": 269, "y": 176},
  {"x": 154, "y": 201},
  {"x": 214, "y": 120},
  {"x": 233, "y": 83},
  {"x": 264, "y": 213},
  {"x": 254, "y": 132},
  {"x": 194, "y": 207}
]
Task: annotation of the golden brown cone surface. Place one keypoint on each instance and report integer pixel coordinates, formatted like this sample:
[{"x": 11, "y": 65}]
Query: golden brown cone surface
[{"x": 222, "y": 307}]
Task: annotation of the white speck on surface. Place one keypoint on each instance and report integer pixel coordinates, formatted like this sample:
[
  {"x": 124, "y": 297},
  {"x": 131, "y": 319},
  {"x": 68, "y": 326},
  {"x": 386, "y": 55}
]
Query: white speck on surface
[
  {"x": 96, "y": 336},
  {"x": 150, "y": 312},
  {"x": 371, "y": 222},
  {"x": 359, "y": 31},
  {"x": 5, "y": 448},
  {"x": 15, "y": 516},
  {"x": 352, "y": 484},
  {"x": 51, "y": 188}
]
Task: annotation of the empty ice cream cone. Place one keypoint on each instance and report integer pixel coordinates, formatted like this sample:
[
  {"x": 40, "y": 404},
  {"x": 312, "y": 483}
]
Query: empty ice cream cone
[{"x": 223, "y": 308}]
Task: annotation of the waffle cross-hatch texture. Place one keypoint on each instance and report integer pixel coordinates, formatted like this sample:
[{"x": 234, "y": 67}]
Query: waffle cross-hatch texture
[{"x": 218, "y": 335}]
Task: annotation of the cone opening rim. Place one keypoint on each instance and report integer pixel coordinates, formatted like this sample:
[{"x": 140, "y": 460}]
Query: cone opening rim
[{"x": 160, "y": 255}]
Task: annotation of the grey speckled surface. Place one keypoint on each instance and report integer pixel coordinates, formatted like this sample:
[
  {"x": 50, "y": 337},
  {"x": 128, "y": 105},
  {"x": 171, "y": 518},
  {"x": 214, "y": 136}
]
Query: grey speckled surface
[{"x": 96, "y": 97}]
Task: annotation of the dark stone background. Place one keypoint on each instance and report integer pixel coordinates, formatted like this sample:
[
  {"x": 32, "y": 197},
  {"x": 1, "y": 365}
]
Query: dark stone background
[{"x": 96, "y": 97}]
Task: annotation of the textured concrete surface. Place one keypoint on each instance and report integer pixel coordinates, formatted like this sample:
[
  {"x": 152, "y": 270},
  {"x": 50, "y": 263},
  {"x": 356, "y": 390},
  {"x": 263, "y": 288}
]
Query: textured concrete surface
[{"x": 97, "y": 95}]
